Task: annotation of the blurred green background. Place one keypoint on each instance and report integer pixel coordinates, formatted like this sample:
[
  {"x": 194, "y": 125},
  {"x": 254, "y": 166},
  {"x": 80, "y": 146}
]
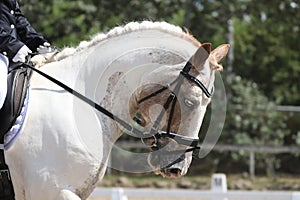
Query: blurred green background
[{"x": 261, "y": 73}]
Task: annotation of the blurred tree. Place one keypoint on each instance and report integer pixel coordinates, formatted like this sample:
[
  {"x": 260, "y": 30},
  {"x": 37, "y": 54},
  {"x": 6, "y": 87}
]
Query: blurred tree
[
  {"x": 250, "y": 120},
  {"x": 267, "y": 48},
  {"x": 62, "y": 22}
]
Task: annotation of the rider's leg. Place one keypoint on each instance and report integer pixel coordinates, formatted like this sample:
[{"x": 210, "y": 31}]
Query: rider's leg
[{"x": 3, "y": 78}]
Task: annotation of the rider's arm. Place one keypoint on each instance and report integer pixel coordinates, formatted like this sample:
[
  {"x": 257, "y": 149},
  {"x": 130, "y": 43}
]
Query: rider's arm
[
  {"x": 9, "y": 45},
  {"x": 26, "y": 32}
]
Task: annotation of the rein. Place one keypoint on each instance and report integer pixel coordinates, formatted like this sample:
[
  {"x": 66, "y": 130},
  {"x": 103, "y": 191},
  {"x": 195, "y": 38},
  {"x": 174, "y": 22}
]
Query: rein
[
  {"x": 193, "y": 143},
  {"x": 90, "y": 102}
]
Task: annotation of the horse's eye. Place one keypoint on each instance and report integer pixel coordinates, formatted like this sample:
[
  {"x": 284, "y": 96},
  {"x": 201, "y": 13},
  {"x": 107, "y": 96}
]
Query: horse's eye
[{"x": 189, "y": 103}]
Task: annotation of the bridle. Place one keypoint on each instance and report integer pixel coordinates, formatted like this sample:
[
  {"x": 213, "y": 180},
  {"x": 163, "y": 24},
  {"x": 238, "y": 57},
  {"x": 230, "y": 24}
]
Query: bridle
[{"x": 170, "y": 103}]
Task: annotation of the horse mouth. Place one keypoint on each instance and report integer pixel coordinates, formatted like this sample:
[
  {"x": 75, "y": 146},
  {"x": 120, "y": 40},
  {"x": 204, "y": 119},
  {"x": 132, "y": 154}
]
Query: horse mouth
[
  {"x": 162, "y": 159},
  {"x": 169, "y": 173},
  {"x": 160, "y": 165}
]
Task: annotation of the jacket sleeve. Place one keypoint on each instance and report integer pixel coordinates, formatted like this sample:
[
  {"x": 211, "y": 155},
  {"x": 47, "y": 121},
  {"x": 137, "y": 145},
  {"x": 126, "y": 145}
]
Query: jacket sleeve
[
  {"x": 26, "y": 32},
  {"x": 9, "y": 45}
]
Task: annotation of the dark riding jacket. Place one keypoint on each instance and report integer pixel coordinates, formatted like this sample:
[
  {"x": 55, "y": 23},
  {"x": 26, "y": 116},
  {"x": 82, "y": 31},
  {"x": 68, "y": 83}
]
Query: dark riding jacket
[{"x": 15, "y": 30}]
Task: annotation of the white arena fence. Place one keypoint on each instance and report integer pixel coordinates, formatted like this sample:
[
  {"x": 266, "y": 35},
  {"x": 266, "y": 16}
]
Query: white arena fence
[
  {"x": 218, "y": 192},
  {"x": 127, "y": 193}
]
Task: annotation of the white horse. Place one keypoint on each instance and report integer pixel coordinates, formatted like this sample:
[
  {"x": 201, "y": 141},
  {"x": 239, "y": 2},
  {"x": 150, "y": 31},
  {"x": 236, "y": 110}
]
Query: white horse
[{"x": 63, "y": 150}]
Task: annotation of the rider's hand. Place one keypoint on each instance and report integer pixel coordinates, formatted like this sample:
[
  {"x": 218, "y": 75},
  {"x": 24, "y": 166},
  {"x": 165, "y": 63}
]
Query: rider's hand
[
  {"x": 46, "y": 53},
  {"x": 21, "y": 54},
  {"x": 44, "y": 49}
]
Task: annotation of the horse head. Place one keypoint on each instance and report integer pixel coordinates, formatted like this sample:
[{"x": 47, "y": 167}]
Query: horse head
[{"x": 170, "y": 106}]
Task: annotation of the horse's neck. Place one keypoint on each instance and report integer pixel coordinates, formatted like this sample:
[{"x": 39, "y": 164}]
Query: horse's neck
[{"x": 109, "y": 72}]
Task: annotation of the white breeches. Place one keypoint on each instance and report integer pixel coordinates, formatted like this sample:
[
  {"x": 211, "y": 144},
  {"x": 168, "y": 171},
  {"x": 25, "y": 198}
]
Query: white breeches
[{"x": 3, "y": 78}]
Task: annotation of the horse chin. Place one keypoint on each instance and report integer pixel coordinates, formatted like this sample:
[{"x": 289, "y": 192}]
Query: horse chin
[{"x": 175, "y": 171}]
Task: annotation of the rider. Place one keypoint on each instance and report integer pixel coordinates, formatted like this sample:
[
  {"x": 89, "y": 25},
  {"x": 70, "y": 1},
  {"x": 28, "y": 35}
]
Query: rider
[{"x": 17, "y": 40}]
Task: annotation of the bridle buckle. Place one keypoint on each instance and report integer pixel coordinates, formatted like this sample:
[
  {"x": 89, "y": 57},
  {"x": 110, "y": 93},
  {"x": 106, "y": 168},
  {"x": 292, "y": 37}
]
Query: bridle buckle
[{"x": 154, "y": 144}]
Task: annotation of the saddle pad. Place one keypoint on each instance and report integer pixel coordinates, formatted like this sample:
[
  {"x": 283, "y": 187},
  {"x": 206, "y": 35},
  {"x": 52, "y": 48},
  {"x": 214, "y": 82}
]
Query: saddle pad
[{"x": 12, "y": 135}]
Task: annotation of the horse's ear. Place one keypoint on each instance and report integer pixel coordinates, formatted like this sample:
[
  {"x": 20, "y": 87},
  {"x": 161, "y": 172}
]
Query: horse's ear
[
  {"x": 207, "y": 47},
  {"x": 201, "y": 55},
  {"x": 220, "y": 52}
]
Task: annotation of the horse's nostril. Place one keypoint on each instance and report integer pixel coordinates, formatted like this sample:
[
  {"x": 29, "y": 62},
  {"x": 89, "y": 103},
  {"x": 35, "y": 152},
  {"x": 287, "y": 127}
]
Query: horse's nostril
[{"x": 175, "y": 172}]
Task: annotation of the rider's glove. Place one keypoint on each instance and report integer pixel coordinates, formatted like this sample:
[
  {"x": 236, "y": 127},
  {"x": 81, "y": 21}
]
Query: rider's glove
[
  {"x": 21, "y": 54},
  {"x": 44, "y": 49},
  {"x": 46, "y": 53}
]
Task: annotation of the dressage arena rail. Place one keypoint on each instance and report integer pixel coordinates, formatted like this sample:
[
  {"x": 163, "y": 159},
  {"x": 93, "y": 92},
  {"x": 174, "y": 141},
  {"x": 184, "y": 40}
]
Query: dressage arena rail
[
  {"x": 218, "y": 191},
  {"x": 128, "y": 193}
]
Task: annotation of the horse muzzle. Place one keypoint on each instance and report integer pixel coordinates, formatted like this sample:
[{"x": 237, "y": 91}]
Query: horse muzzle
[
  {"x": 168, "y": 158},
  {"x": 169, "y": 166}
]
